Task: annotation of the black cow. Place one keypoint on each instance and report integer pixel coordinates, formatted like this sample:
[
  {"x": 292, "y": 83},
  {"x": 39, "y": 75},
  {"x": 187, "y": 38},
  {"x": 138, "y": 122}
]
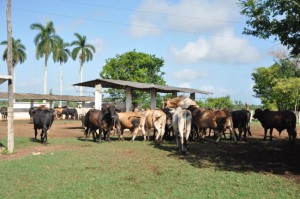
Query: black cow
[
  {"x": 110, "y": 121},
  {"x": 31, "y": 112},
  {"x": 241, "y": 121},
  {"x": 70, "y": 113},
  {"x": 92, "y": 123},
  {"x": 43, "y": 119},
  {"x": 3, "y": 112},
  {"x": 279, "y": 120}
]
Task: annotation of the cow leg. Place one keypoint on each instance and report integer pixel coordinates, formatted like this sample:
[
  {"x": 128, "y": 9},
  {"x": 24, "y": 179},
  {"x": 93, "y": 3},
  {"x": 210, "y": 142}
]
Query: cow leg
[
  {"x": 265, "y": 131},
  {"x": 100, "y": 133},
  {"x": 45, "y": 135},
  {"x": 232, "y": 132},
  {"x": 35, "y": 132},
  {"x": 271, "y": 131},
  {"x": 42, "y": 136},
  {"x": 108, "y": 134},
  {"x": 219, "y": 134},
  {"x": 86, "y": 132},
  {"x": 177, "y": 139},
  {"x": 135, "y": 133},
  {"x": 240, "y": 132}
]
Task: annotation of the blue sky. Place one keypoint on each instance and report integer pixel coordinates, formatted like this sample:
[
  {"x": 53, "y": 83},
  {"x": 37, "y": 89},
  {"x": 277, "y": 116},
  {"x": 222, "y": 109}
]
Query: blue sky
[{"x": 201, "y": 42}]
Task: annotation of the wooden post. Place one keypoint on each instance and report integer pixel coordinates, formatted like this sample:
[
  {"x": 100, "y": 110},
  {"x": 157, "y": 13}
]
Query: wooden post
[
  {"x": 193, "y": 96},
  {"x": 174, "y": 94},
  {"x": 128, "y": 99}
]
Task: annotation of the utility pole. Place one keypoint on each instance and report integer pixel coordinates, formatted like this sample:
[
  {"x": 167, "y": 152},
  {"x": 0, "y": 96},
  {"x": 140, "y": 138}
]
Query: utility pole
[{"x": 10, "y": 110}]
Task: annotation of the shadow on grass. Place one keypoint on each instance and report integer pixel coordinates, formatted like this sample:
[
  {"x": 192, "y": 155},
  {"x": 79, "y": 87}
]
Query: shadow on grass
[{"x": 277, "y": 157}]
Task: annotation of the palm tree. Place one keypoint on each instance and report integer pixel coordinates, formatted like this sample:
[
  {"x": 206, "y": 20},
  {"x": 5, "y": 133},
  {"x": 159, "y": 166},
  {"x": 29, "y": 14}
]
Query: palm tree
[
  {"x": 61, "y": 54},
  {"x": 83, "y": 51},
  {"x": 18, "y": 56},
  {"x": 44, "y": 41}
]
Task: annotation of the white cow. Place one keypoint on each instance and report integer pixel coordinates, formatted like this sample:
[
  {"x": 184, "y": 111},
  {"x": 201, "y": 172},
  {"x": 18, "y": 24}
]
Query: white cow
[
  {"x": 182, "y": 123},
  {"x": 81, "y": 112}
]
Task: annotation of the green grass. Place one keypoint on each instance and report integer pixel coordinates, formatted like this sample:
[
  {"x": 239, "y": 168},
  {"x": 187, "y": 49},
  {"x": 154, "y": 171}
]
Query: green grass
[{"x": 135, "y": 170}]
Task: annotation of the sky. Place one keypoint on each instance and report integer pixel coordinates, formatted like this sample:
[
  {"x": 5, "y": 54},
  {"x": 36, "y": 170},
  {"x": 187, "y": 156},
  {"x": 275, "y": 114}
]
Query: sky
[{"x": 201, "y": 42}]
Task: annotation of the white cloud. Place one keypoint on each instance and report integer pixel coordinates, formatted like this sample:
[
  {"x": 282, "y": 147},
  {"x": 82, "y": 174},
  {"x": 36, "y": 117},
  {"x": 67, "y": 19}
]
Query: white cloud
[
  {"x": 217, "y": 91},
  {"x": 98, "y": 43},
  {"x": 184, "y": 85},
  {"x": 224, "y": 48},
  {"x": 73, "y": 25},
  {"x": 184, "y": 15},
  {"x": 189, "y": 74}
]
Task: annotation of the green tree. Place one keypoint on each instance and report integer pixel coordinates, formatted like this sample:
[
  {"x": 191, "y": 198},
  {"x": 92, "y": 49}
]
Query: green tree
[
  {"x": 61, "y": 54},
  {"x": 219, "y": 102},
  {"x": 44, "y": 41},
  {"x": 271, "y": 85},
  {"x": 278, "y": 18},
  {"x": 83, "y": 51},
  {"x": 137, "y": 67},
  {"x": 18, "y": 56},
  {"x": 286, "y": 91}
]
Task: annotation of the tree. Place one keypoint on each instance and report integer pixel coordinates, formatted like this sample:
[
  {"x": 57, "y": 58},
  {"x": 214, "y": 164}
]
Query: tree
[
  {"x": 18, "y": 56},
  {"x": 83, "y": 51},
  {"x": 278, "y": 18},
  {"x": 61, "y": 54},
  {"x": 45, "y": 41},
  {"x": 137, "y": 67},
  {"x": 274, "y": 85},
  {"x": 219, "y": 102}
]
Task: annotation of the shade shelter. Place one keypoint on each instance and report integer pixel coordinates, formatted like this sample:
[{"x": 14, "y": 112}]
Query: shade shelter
[{"x": 129, "y": 86}]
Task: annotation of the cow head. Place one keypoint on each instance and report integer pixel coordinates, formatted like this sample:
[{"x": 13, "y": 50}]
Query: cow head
[{"x": 257, "y": 113}]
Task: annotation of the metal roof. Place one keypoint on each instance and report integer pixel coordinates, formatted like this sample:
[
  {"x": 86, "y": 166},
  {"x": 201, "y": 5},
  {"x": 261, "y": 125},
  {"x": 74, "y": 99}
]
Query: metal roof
[
  {"x": 31, "y": 96},
  {"x": 121, "y": 84},
  {"x": 3, "y": 78}
]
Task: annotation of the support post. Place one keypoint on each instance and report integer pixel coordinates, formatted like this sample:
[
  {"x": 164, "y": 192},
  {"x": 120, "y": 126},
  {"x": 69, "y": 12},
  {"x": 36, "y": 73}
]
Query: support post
[
  {"x": 128, "y": 99},
  {"x": 193, "y": 96},
  {"x": 153, "y": 98},
  {"x": 10, "y": 129},
  {"x": 98, "y": 97},
  {"x": 174, "y": 94},
  {"x": 31, "y": 103}
]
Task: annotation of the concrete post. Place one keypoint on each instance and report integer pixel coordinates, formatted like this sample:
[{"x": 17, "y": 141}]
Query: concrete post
[
  {"x": 98, "y": 97},
  {"x": 153, "y": 98},
  {"x": 31, "y": 103}
]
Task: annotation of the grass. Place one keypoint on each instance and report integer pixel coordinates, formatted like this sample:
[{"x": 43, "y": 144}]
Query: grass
[{"x": 135, "y": 170}]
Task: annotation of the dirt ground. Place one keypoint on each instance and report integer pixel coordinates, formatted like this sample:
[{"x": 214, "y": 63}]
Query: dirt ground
[{"x": 276, "y": 157}]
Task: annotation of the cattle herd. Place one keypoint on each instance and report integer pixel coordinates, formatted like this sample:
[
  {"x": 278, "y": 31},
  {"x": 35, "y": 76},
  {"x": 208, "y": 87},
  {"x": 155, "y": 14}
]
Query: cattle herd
[{"x": 180, "y": 118}]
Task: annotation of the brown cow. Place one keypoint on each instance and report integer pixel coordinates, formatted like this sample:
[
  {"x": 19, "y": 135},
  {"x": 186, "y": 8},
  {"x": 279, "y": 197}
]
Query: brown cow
[
  {"x": 129, "y": 120},
  {"x": 279, "y": 120},
  {"x": 92, "y": 122},
  {"x": 181, "y": 101},
  {"x": 58, "y": 112},
  {"x": 217, "y": 120}
]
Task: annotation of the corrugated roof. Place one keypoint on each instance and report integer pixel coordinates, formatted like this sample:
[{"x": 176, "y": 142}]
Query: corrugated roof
[
  {"x": 31, "y": 96},
  {"x": 121, "y": 84}
]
